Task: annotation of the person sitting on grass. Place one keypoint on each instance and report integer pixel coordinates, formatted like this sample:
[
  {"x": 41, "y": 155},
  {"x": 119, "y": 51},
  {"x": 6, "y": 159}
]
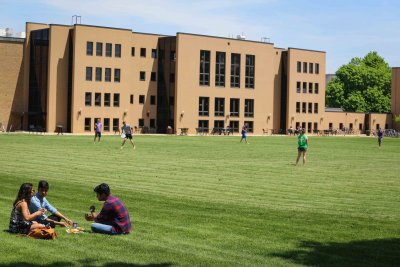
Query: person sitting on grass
[
  {"x": 21, "y": 220},
  {"x": 113, "y": 218},
  {"x": 39, "y": 201}
]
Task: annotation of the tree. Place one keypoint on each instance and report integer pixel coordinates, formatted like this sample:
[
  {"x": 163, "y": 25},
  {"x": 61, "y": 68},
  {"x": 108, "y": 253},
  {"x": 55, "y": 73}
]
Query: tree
[{"x": 363, "y": 85}]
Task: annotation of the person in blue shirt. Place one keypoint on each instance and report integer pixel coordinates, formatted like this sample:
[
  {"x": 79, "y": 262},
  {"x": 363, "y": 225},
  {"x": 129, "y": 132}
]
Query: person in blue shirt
[{"x": 39, "y": 201}]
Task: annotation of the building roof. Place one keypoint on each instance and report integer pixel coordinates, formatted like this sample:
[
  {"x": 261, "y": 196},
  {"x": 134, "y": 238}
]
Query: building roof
[{"x": 12, "y": 39}]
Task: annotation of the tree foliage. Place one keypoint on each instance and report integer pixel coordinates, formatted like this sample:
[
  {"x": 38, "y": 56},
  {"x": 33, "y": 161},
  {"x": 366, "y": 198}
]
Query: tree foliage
[{"x": 363, "y": 85}]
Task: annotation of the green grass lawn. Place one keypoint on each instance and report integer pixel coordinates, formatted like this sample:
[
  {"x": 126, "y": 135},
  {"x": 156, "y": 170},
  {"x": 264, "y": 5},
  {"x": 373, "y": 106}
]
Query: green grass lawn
[{"x": 211, "y": 201}]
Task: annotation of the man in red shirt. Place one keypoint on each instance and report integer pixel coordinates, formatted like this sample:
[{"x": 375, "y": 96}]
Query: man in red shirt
[{"x": 113, "y": 218}]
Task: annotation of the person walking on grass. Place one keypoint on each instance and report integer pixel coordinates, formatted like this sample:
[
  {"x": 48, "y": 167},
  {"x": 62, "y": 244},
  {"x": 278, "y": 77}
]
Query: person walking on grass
[
  {"x": 127, "y": 134},
  {"x": 113, "y": 218},
  {"x": 21, "y": 220},
  {"x": 302, "y": 141},
  {"x": 97, "y": 130},
  {"x": 244, "y": 134},
  {"x": 380, "y": 136},
  {"x": 39, "y": 201}
]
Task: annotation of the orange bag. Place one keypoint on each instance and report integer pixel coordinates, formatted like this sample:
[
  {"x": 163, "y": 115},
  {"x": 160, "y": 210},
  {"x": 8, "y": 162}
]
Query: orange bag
[{"x": 43, "y": 233}]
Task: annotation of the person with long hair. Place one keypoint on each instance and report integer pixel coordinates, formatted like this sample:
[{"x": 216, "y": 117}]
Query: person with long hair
[{"x": 21, "y": 220}]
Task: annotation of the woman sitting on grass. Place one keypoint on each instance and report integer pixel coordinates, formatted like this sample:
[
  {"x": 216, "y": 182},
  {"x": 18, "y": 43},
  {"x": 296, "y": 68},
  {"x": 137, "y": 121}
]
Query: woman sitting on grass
[{"x": 21, "y": 220}]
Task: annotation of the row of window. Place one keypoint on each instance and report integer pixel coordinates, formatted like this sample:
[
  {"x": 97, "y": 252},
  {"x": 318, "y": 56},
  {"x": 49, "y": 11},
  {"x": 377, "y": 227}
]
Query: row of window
[
  {"x": 307, "y": 67},
  {"x": 115, "y": 124},
  {"x": 99, "y": 74},
  {"x": 312, "y": 87},
  {"x": 233, "y": 125},
  {"x": 116, "y": 99},
  {"x": 118, "y": 50},
  {"x": 304, "y": 107},
  {"x": 99, "y": 49},
  {"x": 220, "y": 69},
  {"x": 309, "y": 126},
  {"x": 117, "y": 75},
  {"x": 219, "y": 107}
]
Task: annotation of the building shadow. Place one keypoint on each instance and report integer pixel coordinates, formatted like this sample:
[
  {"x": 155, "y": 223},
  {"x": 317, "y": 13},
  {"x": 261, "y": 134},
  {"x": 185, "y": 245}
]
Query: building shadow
[{"x": 378, "y": 252}]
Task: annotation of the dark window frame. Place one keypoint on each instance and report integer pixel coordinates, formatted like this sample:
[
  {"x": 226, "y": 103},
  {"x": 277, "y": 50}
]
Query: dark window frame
[
  {"x": 235, "y": 70},
  {"x": 204, "y": 106},
  {"x": 220, "y": 68},
  {"x": 250, "y": 71},
  {"x": 204, "y": 78}
]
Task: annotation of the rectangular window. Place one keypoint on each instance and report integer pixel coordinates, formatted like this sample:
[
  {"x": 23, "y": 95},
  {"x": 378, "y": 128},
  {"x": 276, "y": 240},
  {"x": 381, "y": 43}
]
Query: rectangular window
[
  {"x": 107, "y": 99},
  {"x": 234, "y": 107},
  {"x": 250, "y": 71},
  {"x": 107, "y": 77},
  {"x": 303, "y": 125},
  {"x": 304, "y": 67},
  {"x": 310, "y": 88},
  {"x": 203, "y": 125},
  {"x": 89, "y": 73},
  {"x": 88, "y": 99},
  {"x": 360, "y": 126},
  {"x": 116, "y": 125},
  {"x": 220, "y": 69},
  {"x": 315, "y": 127},
  {"x": 99, "y": 49},
  {"x": 204, "y": 67},
  {"x": 311, "y": 67},
  {"x": 310, "y": 107},
  {"x": 132, "y": 51},
  {"x": 153, "y": 123},
  {"x": 249, "y": 107},
  {"x": 316, "y": 108},
  {"x": 235, "y": 70},
  {"x": 219, "y": 124},
  {"x": 309, "y": 125},
  {"x": 351, "y": 126},
  {"x": 89, "y": 48},
  {"x": 316, "y": 68},
  {"x": 234, "y": 125},
  {"x": 97, "y": 99},
  {"x": 116, "y": 100},
  {"x": 88, "y": 124},
  {"x": 203, "y": 106},
  {"x": 108, "y": 50},
  {"x": 172, "y": 78},
  {"x": 219, "y": 107},
  {"x": 298, "y": 66},
  {"x": 330, "y": 125},
  {"x": 152, "y": 100},
  {"x": 117, "y": 75},
  {"x": 304, "y": 87},
  {"x": 153, "y": 76},
  {"x": 141, "y": 122},
  {"x": 153, "y": 53},
  {"x": 304, "y": 107},
  {"x": 142, "y": 76},
  {"x": 118, "y": 50},
  {"x": 340, "y": 126},
  {"x": 297, "y": 125},
  {"x": 297, "y": 107},
  {"x": 250, "y": 126},
  {"x": 131, "y": 99},
  {"x": 143, "y": 52},
  {"x": 172, "y": 56},
  {"x": 106, "y": 125},
  {"x": 98, "y": 74},
  {"x": 298, "y": 87},
  {"x": 316, "y": 88},
  {"x": 141, "y": 99}
]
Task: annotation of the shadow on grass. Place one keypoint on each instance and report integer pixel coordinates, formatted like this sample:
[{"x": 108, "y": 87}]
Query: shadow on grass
[{"x": 378, "y": 252}]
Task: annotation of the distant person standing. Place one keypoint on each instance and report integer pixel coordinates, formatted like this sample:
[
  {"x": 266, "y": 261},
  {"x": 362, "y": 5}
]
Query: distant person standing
[
  {"x": 127, "y": 134},
  {"x": 302, "y": 141},
  {"x": 97, "y": 130},
  {"x": 380, "y": 136},
  {"x": 244, "y": 133}
]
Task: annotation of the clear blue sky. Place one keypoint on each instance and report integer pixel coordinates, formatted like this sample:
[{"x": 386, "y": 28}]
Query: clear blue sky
[{"x": 343, "y": 28}]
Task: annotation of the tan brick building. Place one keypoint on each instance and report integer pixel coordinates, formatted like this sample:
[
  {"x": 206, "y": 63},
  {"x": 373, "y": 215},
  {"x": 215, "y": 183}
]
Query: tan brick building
[{"x": 68, "y": 76}]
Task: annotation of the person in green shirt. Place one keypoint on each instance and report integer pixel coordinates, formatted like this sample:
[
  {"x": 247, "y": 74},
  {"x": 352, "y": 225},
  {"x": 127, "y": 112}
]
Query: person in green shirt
[{"x": 303, "y": 145}]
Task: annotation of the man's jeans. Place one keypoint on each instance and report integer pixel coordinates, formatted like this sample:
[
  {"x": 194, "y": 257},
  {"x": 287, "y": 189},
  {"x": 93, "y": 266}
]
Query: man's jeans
[{"x": 102, "y": 228}]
